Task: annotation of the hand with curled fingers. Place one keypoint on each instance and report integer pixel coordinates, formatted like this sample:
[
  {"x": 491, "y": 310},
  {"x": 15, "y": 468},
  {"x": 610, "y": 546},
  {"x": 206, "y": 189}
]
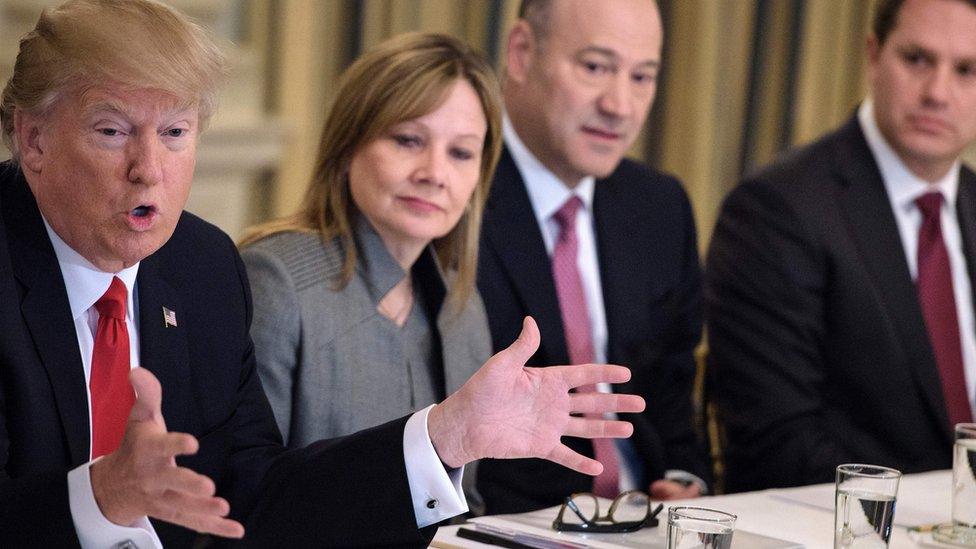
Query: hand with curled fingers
[
  {"x": 141, "y": 478},
  {"x": 508, "y": 410}
]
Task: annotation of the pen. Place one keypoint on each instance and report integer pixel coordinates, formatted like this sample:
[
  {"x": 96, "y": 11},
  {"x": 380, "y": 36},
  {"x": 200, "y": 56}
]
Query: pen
[
  {"x": 505, "y": 537},
  {"x": 490, "y": 539}
]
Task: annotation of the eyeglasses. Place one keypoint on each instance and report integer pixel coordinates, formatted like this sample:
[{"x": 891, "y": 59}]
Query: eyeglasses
[{"x": 629, "y": 512}]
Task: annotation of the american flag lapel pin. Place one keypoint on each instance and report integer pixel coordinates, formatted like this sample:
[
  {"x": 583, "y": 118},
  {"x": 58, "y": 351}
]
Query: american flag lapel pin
[{"x": 169, "y": 318}]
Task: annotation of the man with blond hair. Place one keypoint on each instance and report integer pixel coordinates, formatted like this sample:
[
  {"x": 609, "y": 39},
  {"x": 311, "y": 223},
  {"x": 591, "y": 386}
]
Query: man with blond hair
[{"x": 131, "y": 411}]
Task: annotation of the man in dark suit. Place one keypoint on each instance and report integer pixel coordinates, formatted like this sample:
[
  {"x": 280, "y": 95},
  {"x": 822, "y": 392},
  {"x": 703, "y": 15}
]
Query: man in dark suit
[
  {"x": 580, "y": 82},
  {"x": 839, "y": 290},
  {"x": 102, "y": 272}
]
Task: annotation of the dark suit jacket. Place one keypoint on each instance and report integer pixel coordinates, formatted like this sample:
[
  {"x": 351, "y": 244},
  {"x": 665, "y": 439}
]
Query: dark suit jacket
[
  {"x": 651, "y": 281},
  {"x": 326, "y": 494},
  {"x": 818, "y": 349}
]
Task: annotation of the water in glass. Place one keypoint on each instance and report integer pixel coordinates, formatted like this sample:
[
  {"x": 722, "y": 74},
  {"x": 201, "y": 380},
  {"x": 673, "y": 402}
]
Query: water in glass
[
  {"x": 689, "y": 533},
  {"x": 964, "y": 483},
  {"x": 863, "y": 519}
]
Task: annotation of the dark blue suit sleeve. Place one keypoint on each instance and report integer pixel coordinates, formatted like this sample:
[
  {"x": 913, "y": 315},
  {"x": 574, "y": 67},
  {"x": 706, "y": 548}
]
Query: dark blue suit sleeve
[{"x": 765, "y": 309}]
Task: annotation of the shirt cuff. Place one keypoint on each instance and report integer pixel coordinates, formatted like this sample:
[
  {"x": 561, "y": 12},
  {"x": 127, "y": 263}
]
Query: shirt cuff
[
  {"x": 96, "y": 531},
  {"x": 437, "y": 494},
  {"x": 678, "y": 475}
]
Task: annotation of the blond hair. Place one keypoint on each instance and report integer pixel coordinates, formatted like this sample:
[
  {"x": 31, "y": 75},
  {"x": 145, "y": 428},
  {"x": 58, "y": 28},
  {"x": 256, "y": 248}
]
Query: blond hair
[
  {"x": 135, "y": 43},
  {"x": 401, "y": 79}
]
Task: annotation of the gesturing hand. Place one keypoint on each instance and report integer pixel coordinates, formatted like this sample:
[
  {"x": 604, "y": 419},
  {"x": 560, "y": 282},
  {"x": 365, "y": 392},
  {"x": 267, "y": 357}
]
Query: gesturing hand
[
  {"x": 507, "y": 410},
  {"x": 141, "y": 477}
]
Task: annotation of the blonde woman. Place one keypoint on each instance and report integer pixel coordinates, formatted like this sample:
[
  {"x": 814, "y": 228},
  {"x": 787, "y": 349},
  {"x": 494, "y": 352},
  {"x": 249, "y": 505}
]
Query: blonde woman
[{"x": 365, "y": 306}]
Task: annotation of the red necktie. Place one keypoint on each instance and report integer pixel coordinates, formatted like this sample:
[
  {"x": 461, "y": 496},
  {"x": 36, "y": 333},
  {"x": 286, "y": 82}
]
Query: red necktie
[
  {"x": 111, "y": 392},
  {"x": 576, "y": 327},
  {"x": 939, "y": 308}
]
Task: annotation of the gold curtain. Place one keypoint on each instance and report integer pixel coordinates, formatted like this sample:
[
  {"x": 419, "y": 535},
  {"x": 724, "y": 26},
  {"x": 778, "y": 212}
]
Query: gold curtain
[
  {"x": 742, "y": 80},
  {"x": 312, "y": 41},
  {"x": 304, "y": 61},
  {"x": 745, "y": 80},
  {"x": 703, "y": 94}
]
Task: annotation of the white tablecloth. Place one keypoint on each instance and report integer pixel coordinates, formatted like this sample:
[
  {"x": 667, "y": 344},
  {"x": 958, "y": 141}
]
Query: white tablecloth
[{"x": 805, "y": 515}]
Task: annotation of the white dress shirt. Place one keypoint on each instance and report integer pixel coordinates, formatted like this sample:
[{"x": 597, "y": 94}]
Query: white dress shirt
[
  {"x": 903, "y": 187},
  {"x": 85, "y": 284},
  {"x": 436, "y": 494},
  {"x": 548, "y": 193}
]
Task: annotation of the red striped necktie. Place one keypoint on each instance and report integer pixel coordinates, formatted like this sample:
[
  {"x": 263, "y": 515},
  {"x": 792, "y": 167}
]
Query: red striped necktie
[{"x": 576, "y": 327}]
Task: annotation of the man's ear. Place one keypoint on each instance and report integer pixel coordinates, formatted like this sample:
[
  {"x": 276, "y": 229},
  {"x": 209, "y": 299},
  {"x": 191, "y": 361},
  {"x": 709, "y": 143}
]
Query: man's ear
[
  {"x": 29, "y": 135},
  {"x": 522, "y": 51},
  {"x": 872, "y": 51}
]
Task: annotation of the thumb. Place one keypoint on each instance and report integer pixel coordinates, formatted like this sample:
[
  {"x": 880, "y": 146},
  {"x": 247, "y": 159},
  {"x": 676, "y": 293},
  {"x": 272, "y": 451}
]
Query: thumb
[
  {"x": 149, "y": 395},
  {"x": 522, "y": 349}
]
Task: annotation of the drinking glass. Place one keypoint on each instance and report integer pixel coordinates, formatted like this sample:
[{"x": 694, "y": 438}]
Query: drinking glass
[
  {"x": 699, "y": 528},
  {"x": 962, "y": 531},
  {"x": 865, "y": 505}
]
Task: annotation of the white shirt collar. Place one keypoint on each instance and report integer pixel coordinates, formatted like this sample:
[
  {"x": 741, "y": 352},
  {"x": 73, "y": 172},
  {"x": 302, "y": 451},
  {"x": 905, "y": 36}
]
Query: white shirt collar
[
  {"x": 85, "y": 282},
  {"x": 547, "y": 193},
  {"x": 902, "y": 185}
]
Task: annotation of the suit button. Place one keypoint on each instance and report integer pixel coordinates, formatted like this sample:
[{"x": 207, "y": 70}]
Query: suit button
[
  {"x": 432, "y": 503},
  {"x": 127, "y": 544}
]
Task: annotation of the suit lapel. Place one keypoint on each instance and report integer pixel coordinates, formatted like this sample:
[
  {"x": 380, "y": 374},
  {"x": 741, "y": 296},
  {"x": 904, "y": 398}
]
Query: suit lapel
[
  {"x": 453, "y": 349},
  {"x": 611, "y": 216},
  {"x": 513, "y": 234},
  {"x": 47, "y": 313},
  {"x": 163, "y": 347},
  {"x": 450, "y": 326},
  {"x": 872, "y": 225},
  {"x": 430, "y": 278},
  {"x": 966, "y": 210}
]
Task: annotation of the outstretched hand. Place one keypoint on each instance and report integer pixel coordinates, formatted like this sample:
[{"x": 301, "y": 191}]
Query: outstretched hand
[
  {"x": 141, "y": 478},
  {"x": 508, "y": 410}
]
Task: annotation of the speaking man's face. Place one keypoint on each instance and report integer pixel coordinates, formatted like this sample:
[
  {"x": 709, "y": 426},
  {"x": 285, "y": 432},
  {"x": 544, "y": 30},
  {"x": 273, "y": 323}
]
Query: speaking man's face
[
  {"x": 923, "y": 81},
  {"x": 111, "y": 168}
]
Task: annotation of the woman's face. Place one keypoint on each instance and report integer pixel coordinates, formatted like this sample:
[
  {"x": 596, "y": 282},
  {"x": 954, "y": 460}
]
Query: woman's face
[{"x": 415, "y": 180}]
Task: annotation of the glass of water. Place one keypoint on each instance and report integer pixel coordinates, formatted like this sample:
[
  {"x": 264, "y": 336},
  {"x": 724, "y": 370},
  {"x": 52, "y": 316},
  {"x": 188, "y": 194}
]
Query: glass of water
[
  {"x": 865, "y": 505},
  {"x": 699, "y": 528},
  {"x": 962, "y": 531}
]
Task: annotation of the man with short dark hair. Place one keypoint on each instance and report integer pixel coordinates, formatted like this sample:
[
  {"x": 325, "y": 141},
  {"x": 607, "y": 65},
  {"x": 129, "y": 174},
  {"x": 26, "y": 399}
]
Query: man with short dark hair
[
  {"x": 839, "y": 294},
  {"x": 131, "y": 413},
  {"x": 599, "y": 249}
]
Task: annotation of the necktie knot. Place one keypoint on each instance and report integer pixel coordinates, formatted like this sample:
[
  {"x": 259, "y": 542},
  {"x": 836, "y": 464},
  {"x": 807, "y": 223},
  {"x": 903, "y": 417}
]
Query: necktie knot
[
  {"x": 565, "y": 216},
  {"x": 930, "y": 204},
  {"x": 112, "y": 302}
]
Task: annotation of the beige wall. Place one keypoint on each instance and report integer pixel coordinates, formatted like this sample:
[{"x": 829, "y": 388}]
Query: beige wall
[{"x": 245, "y": 139}]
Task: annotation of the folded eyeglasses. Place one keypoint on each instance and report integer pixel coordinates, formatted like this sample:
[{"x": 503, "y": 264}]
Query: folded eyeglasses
[{"x": 629, "y": 512}]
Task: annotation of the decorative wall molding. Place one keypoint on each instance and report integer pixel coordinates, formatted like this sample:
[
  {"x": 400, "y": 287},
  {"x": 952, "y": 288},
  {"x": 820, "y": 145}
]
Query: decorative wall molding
[{"x": 243, "y": 145}]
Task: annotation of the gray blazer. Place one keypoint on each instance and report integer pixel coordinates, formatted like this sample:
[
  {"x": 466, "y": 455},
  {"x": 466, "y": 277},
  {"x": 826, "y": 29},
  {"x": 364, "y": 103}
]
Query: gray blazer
[{"x": 329, "y": 361}]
